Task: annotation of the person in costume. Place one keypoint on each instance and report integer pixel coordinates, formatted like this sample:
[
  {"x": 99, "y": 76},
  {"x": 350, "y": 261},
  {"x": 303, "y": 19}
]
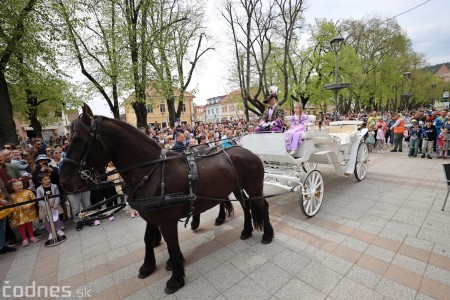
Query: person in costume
[
  {"x": 296, "y": 129},
  {"x": 272, "y": 119}
]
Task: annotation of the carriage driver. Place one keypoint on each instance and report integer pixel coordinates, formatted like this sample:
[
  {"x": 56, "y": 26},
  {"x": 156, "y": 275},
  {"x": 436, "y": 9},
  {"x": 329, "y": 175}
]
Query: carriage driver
[{"x": 273, "y": 116}]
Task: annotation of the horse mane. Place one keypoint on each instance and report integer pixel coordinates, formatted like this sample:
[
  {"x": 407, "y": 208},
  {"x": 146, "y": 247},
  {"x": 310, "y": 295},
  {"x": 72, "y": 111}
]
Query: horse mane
[{"x": 83, "y": 129}]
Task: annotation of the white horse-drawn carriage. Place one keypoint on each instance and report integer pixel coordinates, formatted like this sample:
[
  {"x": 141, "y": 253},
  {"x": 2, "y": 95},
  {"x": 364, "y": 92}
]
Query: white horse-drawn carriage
[{"x": 339, "y": 144}]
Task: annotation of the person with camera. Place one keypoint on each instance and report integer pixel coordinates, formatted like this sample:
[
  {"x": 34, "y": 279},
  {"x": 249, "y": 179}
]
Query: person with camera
[{"x": 42, "y": 166}]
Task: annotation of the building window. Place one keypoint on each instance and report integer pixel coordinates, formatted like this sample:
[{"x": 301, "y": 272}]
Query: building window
[
  {"x": 183, "y": 108},
  {"x": 149, "y": 108},
  {"x": 162, "y": 108},
  {"x": 224, "y": 109},
  {"x": 231, "y": 108},
  {"x": 217, "y": 110}
]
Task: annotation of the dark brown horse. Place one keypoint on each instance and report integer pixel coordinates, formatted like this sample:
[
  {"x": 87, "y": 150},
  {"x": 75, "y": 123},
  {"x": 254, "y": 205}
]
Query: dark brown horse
[
  {"x": 96, "y": 140},
  {"x": 226, "y": 207}
]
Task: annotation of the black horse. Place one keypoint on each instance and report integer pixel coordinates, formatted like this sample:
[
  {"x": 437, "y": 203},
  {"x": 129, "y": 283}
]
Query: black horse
[{"x": 95, "y": 140}]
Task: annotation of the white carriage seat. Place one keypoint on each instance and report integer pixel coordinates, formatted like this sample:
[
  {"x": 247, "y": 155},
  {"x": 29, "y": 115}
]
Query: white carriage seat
[
  {"x": 344, "y": 130},
  {"x": 310, "y": 126},
  {"x": 269, "y": 147}
]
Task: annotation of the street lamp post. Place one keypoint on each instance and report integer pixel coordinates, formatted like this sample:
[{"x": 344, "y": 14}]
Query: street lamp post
[
  {"x": 433, "y": 99},
  {"x": 407, "y": 75},
  {"x": 336, "y": 45}
]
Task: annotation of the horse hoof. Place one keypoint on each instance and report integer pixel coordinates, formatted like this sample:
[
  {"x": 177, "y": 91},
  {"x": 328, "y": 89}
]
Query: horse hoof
[
  {"x": 169, "y": 268},
  {"x": 266, "y": 240},
  {"x": 219, "y": 222},
  {"x": 143, "y": 275},
  {"x": 169, "y": 291},
  {"x": 245, "y": 236},
  {"x": 194, "y": 225},
  {"x": 145, "y": 271}
]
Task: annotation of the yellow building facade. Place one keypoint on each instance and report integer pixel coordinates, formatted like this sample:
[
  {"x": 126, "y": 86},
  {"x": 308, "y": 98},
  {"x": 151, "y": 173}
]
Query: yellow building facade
[{"x": 157, "y": 110}]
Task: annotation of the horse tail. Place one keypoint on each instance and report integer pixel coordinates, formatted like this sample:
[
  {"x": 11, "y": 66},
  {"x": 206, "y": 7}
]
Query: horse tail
[
  {"x": 257, "y": 214},
  {"x": 229, "y": 209}
]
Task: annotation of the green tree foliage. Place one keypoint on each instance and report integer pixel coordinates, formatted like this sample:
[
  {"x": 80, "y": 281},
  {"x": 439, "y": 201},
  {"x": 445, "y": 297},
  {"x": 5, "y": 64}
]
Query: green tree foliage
[
  {"x": 14, "y": 15},
  {"x": 39, "y": 88},
  {"x": 96, "y": 41},
  {"x": 175, "y": 44}
]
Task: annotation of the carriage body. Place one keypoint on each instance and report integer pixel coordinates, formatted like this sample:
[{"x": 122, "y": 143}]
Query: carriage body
[{"x": 340, "y": 144}]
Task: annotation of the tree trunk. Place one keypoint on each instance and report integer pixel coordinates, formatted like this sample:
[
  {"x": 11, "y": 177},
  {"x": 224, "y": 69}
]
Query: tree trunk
[
  {"x": 32, "y": 112},
  {"x": 141, "y": 114},
  {"x": 37, "y": 127},
  {"x": 7, "y": 126}
]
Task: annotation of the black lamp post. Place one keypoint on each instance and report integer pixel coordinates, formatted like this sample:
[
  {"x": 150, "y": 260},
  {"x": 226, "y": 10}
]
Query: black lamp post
[
  {"x": 433, "y": 99},
  {"x": 407, "y": 75},
  {"x": 336, "y": 45}
]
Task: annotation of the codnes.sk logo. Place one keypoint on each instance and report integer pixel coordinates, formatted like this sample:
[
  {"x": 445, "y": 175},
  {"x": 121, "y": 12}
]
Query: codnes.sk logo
[{"x": 42, "y": 291}]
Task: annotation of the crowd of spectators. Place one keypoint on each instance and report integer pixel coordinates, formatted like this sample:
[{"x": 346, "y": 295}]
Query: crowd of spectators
[
  {"x": 36, "y": 162},
  {"x": 29, "y": 168}
]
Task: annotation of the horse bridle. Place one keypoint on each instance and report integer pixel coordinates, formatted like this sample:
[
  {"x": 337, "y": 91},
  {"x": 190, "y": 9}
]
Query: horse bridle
[{"x": 87, "y": 172}]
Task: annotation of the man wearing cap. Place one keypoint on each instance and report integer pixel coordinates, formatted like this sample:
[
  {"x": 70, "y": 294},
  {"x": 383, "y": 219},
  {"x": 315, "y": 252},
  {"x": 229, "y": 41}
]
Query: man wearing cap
[
  {"x": 42, "y": 166},
  {"x": 273, "y": 116},
  {"x": 399, "y": 129}
]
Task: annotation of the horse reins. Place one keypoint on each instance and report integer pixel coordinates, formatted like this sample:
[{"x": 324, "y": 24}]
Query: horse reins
[{"x": 92, "y": 174}]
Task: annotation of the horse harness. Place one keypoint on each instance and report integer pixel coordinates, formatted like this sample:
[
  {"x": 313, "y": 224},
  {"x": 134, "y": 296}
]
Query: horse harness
[
  {"x": 169, "y": 200},
  {"x": 94, "y": 175}
]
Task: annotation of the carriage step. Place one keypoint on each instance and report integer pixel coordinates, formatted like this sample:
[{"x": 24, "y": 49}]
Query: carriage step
[{"x": 322, "y": 152}]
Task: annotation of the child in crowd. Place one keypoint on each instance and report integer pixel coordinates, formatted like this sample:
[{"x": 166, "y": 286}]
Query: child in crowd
[
  {"x": 406, "y": 137},
  {"x": 380, "y": 138},
  {"x": 415, "y": 135},
  {"x": 47, "y": 187},
  {"x": 440, "y": 144},
  {"x": 429, "y": 137},
  {"x": 370, "y": 140},
  {"x": 444, "y": 139},
  {"x": 226, "y": 141},
  {"x": 23, "y": 215}
]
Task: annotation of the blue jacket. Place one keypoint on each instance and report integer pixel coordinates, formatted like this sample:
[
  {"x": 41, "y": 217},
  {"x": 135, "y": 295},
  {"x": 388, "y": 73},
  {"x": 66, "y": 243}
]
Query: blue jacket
[
  {"x": 178, "y": 147},
  {"x": 416, "y": 134}
]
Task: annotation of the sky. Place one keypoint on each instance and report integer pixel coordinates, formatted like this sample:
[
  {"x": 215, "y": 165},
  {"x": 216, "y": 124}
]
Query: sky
[{"x": 428, "y": 27}]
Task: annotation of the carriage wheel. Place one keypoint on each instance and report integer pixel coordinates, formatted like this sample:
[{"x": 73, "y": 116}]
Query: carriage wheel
[
  {"x": 307, "y": 166},
  {"x": 312, "y": 196},
  {"x": 362, "y": 162}
]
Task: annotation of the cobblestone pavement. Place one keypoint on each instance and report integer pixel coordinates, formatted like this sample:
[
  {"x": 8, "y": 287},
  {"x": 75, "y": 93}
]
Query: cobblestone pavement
[{"x": 383, "y": 238}]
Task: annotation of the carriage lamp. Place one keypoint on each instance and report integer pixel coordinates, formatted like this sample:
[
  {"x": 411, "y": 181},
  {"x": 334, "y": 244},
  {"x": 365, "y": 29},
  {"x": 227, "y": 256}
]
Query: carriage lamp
[{"x": 336, "y": 45}]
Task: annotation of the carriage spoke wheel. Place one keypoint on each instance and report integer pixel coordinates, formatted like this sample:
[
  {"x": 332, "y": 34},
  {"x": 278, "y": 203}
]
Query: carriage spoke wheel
[
  {"x": 312, "y": 196},
  {"x": 308, "y": 166},
  {"x": 362, "y": 162}
]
